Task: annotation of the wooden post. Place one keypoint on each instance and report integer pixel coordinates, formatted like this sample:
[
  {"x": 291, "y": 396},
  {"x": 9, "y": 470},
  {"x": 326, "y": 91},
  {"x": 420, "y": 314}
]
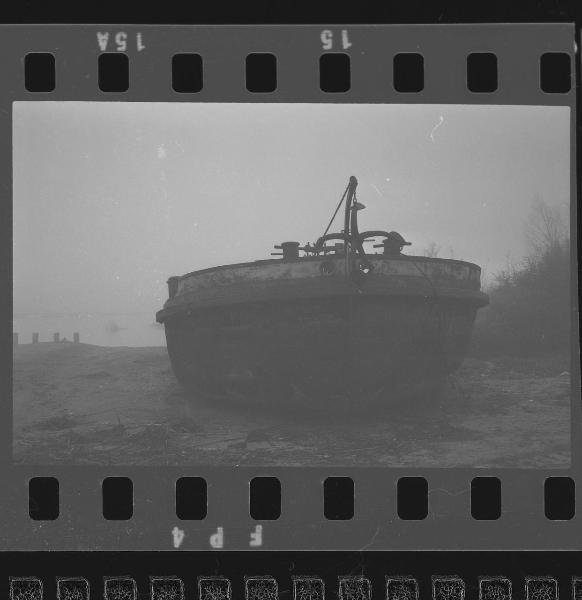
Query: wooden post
[
  {"x": 15, "y": 339},
  {"x": 76, "y": 337},
  {"x": 56, "y": 337},
  {"x": 35, "y": 338}
]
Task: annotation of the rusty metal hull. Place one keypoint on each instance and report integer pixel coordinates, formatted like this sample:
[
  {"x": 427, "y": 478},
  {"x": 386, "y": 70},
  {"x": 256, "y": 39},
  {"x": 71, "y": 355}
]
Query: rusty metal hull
[{"x": 273, "y": 330}]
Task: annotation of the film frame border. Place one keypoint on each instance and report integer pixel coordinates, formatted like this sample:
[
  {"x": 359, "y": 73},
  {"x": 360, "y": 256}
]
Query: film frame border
[{"x": 297, "y": 48}]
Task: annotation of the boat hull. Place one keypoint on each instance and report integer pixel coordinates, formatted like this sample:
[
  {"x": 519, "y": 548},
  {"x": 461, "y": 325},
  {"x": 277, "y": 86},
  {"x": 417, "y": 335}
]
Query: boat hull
[{"x": 322, "y": 337}]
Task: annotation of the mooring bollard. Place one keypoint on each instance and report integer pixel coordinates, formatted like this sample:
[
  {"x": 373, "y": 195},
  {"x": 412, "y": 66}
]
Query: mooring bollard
[
  {"x": 35, "y": 338},
  {"x": 76, "y": 337},
  {"x": 15, "y": 339},
  {"x": 56, "y": 337}
]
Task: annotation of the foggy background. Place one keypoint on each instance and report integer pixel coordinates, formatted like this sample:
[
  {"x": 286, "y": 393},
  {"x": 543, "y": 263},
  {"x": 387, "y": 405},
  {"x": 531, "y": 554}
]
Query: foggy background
[{"x": 110, "y": 199}]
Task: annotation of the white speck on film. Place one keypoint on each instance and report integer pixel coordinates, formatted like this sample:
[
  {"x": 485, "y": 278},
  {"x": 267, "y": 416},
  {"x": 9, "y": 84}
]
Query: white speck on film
[{"x": 441, "y": 121}]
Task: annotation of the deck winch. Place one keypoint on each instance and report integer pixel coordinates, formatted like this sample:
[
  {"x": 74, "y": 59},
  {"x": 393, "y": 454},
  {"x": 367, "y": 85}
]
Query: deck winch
[{"x": 352, "y": 241}]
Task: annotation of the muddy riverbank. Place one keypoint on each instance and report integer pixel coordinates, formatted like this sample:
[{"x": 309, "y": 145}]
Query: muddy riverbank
[{"x": 82, "y": 404}]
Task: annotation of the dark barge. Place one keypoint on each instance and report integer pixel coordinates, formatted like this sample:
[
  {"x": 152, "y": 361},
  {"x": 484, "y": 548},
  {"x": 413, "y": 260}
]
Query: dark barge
[{"x": 325, "y": 320}]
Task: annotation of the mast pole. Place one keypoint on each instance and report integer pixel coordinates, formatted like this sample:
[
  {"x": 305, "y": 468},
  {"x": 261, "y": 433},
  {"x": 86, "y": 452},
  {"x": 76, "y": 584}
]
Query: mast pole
[{"x": 351, "y": 192}]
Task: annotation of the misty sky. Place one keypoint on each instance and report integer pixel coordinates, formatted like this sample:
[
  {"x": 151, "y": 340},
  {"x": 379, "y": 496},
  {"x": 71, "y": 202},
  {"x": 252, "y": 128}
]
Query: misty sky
[{"x": 110, "y": 199}]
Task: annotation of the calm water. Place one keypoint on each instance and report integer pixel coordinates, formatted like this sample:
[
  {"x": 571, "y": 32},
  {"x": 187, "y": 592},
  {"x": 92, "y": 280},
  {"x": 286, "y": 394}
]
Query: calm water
[{"x": 135, "y": 329}]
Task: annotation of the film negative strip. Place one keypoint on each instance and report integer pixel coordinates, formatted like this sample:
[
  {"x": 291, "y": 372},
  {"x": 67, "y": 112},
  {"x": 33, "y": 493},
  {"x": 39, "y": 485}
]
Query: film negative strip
[
  {"x": 364, "y": 389},
  {"x": 396, "y": 588}
]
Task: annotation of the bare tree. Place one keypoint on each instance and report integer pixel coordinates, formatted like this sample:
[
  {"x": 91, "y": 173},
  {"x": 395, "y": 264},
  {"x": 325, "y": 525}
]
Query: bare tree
[
  {"x": 432, "y": 250},
  {"x": 545, "y": 228}
]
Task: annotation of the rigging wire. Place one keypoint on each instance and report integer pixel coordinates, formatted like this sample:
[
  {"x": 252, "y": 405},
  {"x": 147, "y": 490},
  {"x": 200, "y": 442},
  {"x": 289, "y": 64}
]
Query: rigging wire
[{"x": 336, "y": 210}]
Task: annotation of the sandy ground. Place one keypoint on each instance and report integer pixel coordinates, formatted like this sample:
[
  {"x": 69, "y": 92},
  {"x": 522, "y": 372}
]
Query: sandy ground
[{"x": 83, "y": 404}]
